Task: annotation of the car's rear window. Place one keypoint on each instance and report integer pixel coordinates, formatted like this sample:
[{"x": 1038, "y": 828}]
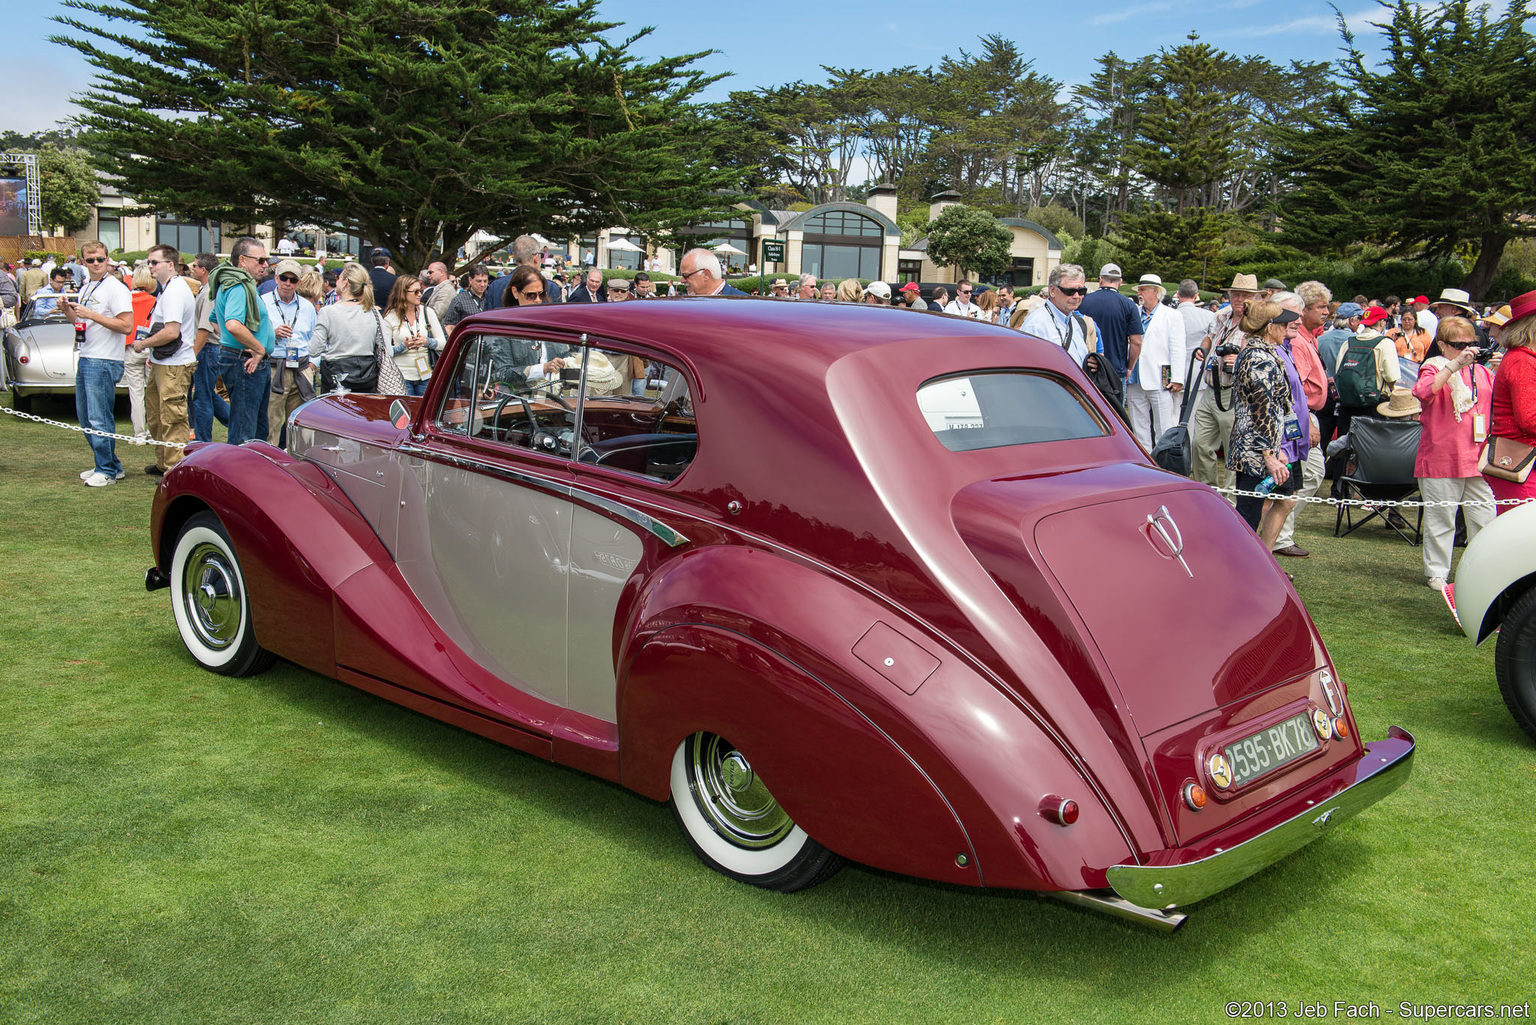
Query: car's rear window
[{"x": 993, "y": 408}]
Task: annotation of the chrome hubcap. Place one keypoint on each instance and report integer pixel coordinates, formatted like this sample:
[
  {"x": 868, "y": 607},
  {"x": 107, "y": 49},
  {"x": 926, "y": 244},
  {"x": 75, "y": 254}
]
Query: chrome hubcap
[
  {"x": 732, "y": 796},
  {"x": 211, "y": 597}
]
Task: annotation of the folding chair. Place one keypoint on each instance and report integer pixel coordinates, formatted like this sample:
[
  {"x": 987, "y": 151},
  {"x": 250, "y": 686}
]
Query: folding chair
[{"x": 1385, "y": 451}]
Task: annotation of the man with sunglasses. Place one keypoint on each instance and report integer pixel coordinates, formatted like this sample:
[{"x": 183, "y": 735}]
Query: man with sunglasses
[
  {"x": 293, "y": 322},
  {"x": 246, "y": 338},
  {"x": 172, "y": 359},
  {"x": 104, "y": 310},
  {"x": 1059, "y": 318},
  {"x": 961, "y": 305}
]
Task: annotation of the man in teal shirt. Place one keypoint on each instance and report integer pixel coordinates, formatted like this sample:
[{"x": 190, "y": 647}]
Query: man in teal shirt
[{"x": 246, "y": 339}]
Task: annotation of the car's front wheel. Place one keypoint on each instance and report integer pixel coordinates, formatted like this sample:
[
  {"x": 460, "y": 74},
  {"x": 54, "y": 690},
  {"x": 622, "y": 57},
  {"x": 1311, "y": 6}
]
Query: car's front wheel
[
  {"x": 1514, "y": 662},
  {"x": 210, "y": 601},
  {"x": 734, "y": 824}
]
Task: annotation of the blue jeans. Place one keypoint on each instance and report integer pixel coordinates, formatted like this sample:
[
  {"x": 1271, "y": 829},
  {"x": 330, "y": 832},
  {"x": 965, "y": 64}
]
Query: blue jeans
[
  {"x": 247, "y": 394},
  {"x": 95, "y": 396},
  {"x": 207, "y": 404},
  {"x": 417, "y": 387}
]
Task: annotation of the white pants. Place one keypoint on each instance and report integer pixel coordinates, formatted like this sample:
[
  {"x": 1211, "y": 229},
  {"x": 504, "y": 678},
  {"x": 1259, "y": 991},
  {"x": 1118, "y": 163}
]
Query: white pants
[
  {"x": 1440, "y": 522},
  {"x": 1311, "y": 481},
  {"x": 135, "y": 378},
  {"x": 1151, "y": 412}
]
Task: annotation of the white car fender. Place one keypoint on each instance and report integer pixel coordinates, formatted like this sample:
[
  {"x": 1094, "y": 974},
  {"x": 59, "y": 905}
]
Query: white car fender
[{"x": 1503, "y": 553}]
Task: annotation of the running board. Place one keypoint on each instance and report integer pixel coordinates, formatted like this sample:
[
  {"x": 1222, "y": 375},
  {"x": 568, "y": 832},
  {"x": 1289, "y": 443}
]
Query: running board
[{"x": 1105, "y": 902}]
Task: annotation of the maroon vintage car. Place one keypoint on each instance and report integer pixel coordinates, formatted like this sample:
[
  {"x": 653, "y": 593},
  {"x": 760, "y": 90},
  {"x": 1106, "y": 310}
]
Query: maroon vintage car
[{"x": 838, "y": 582}]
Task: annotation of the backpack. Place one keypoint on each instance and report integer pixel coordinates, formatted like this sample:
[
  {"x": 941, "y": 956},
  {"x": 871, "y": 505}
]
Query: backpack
[{"x": 1356, "y": 376}]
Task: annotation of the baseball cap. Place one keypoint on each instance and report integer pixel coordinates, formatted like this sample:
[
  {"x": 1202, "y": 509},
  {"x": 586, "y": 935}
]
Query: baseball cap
[
  {"x": 1349, "y": 310},
  {"x": 1111, "y": 271},
  {"x": 1375, "y": 315},
  {"x": 287, "y": 267},
  {"x": 911, "y": 286},
  {"x": 878, "y": 288}
]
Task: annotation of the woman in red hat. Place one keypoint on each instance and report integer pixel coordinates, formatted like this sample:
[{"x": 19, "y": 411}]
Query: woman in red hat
[{"x": 1514, "y": 401}]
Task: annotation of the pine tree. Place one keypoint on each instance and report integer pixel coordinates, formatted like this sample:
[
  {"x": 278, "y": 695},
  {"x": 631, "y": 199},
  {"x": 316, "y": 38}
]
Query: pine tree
[
  {"x": 1185, "y": 130},
  {"x": 1431, "y": 153},
  {"x": 411, "y": 122}
]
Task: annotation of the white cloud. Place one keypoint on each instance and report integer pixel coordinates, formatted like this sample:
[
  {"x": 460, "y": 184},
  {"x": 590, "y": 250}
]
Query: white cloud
[{"x": 1111, "y": 17}]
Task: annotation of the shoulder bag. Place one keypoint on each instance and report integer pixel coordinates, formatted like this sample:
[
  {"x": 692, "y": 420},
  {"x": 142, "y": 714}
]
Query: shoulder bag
[{"x": 1506, "y": 459}]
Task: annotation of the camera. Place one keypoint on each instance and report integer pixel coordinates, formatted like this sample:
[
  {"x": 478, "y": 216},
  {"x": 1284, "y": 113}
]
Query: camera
[{"x": 1228, "y": 349}]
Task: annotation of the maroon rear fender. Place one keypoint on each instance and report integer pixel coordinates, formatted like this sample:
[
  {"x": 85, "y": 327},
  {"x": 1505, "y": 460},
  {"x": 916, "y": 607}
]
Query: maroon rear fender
[{"x": 297, "y": 536}]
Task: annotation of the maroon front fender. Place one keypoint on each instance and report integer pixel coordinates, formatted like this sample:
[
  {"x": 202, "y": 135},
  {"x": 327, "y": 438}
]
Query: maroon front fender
[{"x": 296, "y": 545}]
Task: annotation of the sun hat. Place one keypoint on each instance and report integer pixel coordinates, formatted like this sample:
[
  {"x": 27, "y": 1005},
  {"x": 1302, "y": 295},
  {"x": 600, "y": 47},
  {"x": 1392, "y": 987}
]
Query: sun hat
[
  {"x": 1285, "y": 317},
  {"x": 779, "y": 283},
  {"x": 1349, "y": 310},
  {"x": 1401, "y": 403},
  {"x": 1521, "y": 306},
  {"x": 1244, "y": 283},
  {"x": 1150, "y": 280},
  {"x": 1498, "y": 318},
  {"x": 879, "y": 288},
  {"x": 911, "y": 286},
  {"x": 1457, "y": 298},
  {"x": 1375, "y": 315}
]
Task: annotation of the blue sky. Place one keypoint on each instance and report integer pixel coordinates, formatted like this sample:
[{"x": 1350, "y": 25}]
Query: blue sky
[{"x": 789, "y": 40}]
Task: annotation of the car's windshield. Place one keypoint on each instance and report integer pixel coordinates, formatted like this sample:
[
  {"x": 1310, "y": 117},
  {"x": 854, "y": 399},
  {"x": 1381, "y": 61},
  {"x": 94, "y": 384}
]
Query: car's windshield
[{"x": 993, "y": 408}]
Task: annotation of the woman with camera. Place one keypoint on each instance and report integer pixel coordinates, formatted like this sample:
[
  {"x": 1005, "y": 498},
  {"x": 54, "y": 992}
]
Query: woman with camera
[
  {"x": 1511, "y": 446},
  {"x": 1457, "y": 398},
  {"x": 1265, "y": 418},
  {"x": 414, "y": 333}
]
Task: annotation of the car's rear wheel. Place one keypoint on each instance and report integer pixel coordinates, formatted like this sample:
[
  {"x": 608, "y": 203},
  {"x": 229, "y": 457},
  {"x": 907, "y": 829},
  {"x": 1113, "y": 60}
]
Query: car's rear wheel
[
  {"x": 210, "y": 601},
  {"x": 734, "y": 824},
  {"x": 1514, "y": 662}
]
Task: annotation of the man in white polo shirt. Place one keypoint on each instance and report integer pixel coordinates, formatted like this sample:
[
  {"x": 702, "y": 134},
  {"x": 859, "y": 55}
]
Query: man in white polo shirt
[
  {"x": 104, "y": 308},
  {"x": 172, "y": 359}
]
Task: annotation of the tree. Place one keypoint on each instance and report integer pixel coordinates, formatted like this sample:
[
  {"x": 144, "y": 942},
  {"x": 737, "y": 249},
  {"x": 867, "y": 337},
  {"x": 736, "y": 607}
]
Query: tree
[
  {"x": 1431, "y": 152},
  {"x": 411, "y": 124},
  {"x": 68, "y": 186},
  {"x": 969, "y": 239},
  {"x": 1185, "y": 130},
  {"x": 1175, "y": 247}
]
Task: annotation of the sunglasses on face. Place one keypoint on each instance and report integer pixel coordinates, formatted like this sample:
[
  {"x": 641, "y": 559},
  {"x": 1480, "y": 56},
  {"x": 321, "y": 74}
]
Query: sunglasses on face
[
  {"x": 408, "y": 291},
  {"x": 95, "y": 259},
  {"x": 288, "y": 278},
  {"x": 1080, "y": 290},
  {"x": 1459, "y": 343},
  {"x": 156, "y": 263},
  {"x": 532, "y": 293}
]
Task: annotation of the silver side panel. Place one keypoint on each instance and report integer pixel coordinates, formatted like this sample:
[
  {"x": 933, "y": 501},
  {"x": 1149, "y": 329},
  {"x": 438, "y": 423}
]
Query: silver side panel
[{"x": 604, "y": 554}]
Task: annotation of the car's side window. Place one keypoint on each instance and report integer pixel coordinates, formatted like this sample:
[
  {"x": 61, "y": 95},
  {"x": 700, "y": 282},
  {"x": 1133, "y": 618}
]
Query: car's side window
[
  {"x": 637, "y": 415},
  {"x": 637, "y": 412}
]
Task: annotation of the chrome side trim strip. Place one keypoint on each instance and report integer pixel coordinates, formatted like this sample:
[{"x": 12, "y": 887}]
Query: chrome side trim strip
[
  {"x": 1385, "y": 767},
  {"x": 665, "y": 534}
]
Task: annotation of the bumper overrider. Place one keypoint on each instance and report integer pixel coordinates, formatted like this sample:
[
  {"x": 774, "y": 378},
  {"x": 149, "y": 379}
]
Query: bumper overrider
[{"x": 1149, "y": 892}]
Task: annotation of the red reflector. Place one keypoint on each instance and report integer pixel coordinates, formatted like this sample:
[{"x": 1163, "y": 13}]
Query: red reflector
[
  {"x": 1340, "y": 728},
  {"x": 1060, "y": 810},
  {"x": 23, "y": 359},
  {"x": 1194, "y": 796}
]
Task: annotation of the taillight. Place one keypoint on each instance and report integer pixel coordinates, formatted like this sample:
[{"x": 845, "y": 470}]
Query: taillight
[
  {"x": 1060, "y": 810},
  {"x": 1194, "y": 795}
]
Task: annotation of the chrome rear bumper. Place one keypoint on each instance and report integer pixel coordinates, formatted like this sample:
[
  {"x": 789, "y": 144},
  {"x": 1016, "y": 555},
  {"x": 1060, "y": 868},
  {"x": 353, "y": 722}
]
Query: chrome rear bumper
[{"x": 1382, "y": 769}]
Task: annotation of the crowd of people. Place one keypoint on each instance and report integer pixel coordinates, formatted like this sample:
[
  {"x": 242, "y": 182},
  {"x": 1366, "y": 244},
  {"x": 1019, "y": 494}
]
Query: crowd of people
[{"x": 1279, "y": 374}]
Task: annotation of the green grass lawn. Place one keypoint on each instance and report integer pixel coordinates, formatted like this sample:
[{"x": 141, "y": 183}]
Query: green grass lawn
[{"x": 176, "y": 846}]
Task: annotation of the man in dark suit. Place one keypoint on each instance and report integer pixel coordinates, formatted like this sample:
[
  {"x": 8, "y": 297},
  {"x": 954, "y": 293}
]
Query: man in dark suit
[
  {"x": 702, "y": 274},
  {"x": 382, "y": 277},
  {"x": 591, "y": 289}
]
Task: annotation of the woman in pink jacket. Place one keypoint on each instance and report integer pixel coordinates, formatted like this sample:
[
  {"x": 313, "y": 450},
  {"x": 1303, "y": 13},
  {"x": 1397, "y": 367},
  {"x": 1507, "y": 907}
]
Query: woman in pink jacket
[{"x": 1457, "y": 396}]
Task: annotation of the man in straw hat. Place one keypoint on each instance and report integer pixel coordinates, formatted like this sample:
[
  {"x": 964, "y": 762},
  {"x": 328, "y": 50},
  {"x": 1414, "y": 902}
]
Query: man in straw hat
[{"x": 1211, "y": 421}]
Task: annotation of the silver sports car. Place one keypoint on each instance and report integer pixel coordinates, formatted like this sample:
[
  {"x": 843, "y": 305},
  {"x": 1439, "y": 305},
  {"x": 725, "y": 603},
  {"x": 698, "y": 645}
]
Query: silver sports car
[{"x": 39, "y": 356}]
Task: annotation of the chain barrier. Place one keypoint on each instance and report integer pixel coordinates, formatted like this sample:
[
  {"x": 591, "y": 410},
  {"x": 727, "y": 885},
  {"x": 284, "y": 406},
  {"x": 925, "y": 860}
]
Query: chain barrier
[
  {"x": 1378, "y": 503},
  {"x": 90, "y": 430}
]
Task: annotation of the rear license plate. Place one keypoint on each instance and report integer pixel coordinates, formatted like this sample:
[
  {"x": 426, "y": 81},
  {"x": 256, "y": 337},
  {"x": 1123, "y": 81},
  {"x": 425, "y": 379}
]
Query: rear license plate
[{"x": 1269, "y": 749}]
